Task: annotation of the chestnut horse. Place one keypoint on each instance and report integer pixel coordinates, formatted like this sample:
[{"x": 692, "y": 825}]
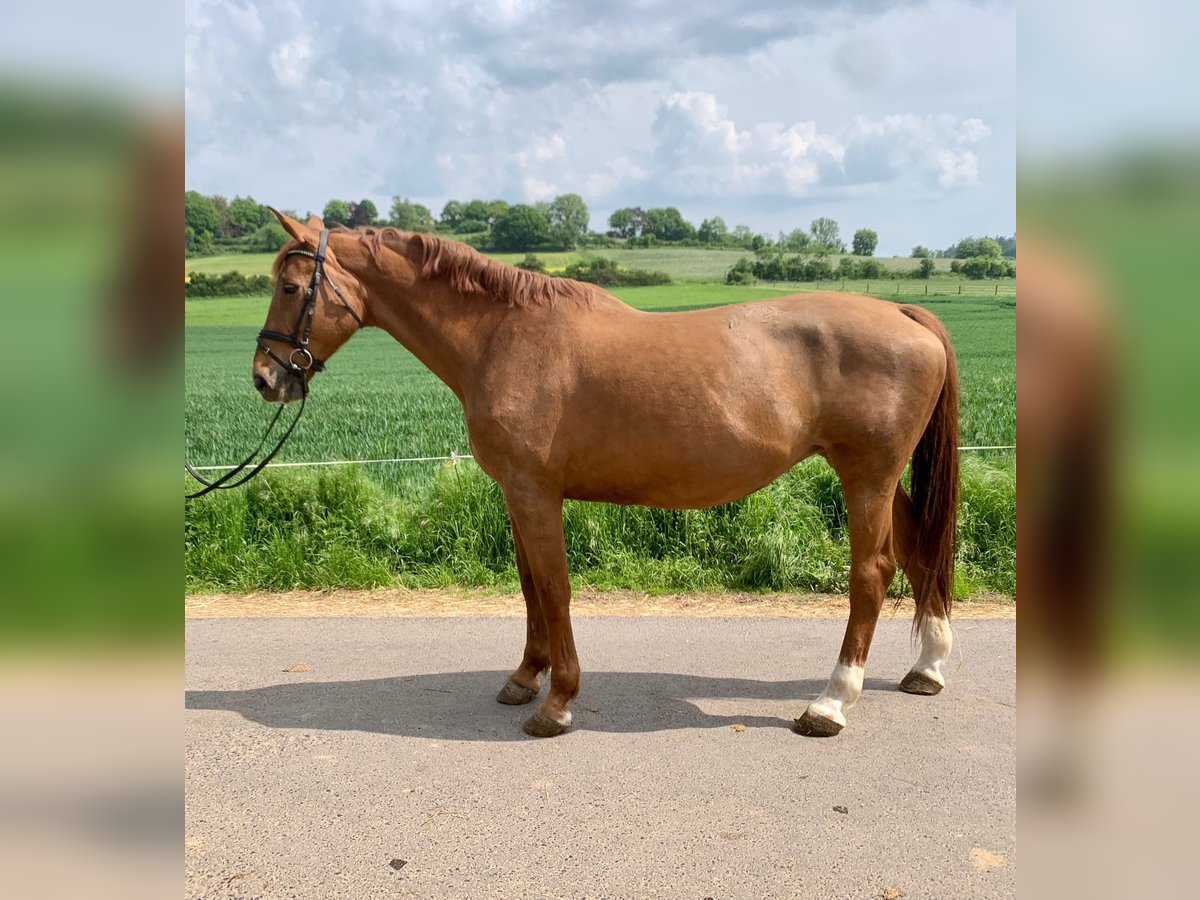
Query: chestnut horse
[{"x": 569, "y": 393}]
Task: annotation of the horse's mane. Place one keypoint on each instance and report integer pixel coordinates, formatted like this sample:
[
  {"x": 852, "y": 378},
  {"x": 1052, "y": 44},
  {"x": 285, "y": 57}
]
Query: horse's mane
[{"x": 470, "y": 271}]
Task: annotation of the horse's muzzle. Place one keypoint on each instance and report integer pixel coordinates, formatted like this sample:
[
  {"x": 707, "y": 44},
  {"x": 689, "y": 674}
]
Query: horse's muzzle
[{"x": 276, "y": 385}]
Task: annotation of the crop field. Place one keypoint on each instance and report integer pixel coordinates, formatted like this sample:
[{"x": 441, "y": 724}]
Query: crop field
[
  {"x": 439, "y": 524},
  {"x": 681, "y": 263}
]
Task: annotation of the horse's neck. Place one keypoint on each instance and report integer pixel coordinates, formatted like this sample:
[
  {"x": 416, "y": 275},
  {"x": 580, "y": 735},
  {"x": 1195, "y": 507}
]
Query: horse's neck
[{"x": 443, "y": 329}]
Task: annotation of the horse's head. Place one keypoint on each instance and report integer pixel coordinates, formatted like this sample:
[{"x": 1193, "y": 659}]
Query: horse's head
[{"x": 316, "y": 306}]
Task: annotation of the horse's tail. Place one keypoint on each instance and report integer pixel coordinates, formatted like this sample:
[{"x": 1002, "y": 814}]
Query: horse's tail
[{"x": 935, "y": 489}]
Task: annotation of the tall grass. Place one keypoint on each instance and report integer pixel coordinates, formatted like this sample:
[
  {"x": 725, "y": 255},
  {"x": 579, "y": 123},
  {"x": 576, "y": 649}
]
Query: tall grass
[{"x": 338, "y": 528}]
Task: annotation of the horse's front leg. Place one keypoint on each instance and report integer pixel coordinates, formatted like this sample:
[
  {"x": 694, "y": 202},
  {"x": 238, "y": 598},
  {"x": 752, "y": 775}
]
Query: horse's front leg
[
  {"x": 537, "y": 517},
  {"x": 523, "y": 685}
]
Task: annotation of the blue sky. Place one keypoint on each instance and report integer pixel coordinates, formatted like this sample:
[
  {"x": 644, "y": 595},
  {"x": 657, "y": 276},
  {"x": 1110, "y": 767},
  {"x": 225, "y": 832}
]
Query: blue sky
[{"x": 898, "y": 116}]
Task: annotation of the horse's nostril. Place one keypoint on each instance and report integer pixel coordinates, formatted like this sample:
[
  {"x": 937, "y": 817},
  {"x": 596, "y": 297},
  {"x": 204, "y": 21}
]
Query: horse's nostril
[{"x": 260, "y": 383}]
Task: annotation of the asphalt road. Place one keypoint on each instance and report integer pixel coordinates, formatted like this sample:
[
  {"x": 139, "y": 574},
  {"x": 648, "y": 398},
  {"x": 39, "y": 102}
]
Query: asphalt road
[{"x": 386, "y": 768}]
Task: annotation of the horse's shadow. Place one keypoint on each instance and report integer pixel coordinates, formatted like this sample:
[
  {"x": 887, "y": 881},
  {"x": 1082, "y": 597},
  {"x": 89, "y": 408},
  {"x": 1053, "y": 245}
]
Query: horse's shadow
[{"x": 461, "y": 705}]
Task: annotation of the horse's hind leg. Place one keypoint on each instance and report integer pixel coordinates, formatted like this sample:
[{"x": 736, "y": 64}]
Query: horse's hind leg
[
  {"x": 937, "y": 639},
  {"x": 872, "y": 566},
  {"x": 523, "y": 685}
]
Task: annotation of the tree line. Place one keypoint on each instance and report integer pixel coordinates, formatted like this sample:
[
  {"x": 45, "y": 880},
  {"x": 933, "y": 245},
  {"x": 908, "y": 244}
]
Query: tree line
[
  {"x": 971, "y": 257},
  {"x": 213, "y": 224}
]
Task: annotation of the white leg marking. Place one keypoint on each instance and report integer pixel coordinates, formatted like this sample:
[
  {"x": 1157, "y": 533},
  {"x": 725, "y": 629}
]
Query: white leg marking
[
  {"x": 936, "y": 642},
  {"x": 842, "y": 692}
]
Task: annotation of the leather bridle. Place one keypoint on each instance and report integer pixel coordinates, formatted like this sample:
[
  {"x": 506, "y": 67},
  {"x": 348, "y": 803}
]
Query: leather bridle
[
  {"x": 298, "y": 339},
  {"x": 296, "y": 368}
]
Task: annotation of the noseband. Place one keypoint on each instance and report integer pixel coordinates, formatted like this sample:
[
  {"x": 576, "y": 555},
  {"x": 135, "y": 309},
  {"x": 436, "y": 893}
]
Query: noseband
[{"x": 297, "y": 364}]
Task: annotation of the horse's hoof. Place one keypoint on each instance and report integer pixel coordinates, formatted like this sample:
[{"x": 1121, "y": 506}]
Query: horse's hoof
[
  {"x": 811, "y": 725},
  {"x": 513, "y": 694},
  {"x": 541, "y": 725},
  {"x": 916, "y": 683}
]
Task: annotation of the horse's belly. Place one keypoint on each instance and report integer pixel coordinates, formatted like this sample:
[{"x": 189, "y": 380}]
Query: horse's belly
[{"x": 680, "y": 482}]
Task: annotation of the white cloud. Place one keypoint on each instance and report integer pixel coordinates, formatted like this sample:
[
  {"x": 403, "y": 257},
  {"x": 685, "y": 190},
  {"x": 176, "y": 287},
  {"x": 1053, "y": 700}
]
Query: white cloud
[
  {"x": 703, "y": 152},
  {"x": 957, "y": 169},
  {"x": 291, "y": 61}
]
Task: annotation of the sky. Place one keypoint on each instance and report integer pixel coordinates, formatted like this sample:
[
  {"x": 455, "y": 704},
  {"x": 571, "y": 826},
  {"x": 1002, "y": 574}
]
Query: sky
[{"x": 897, "y": 116}]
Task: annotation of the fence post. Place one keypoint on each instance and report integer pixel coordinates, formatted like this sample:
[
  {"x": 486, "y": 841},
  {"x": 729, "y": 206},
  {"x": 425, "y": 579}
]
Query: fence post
[
  {"x": 843, "y": 284},
  {"x": 868, "y": 290},
  {"x": 996, "y": 293},
  {"x": 960, "y": 289}
]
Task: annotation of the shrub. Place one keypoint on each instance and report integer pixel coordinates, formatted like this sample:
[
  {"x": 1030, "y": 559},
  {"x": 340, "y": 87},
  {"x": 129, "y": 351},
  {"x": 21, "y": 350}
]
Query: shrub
[
  {"x": 270, "y": 238},
  {"x": 924, "y": 269},
  {"x": 606, "y": 273},
  {"x": 870, "y": 268},
  {"x": 988, "y": 267},
  {"x": 818, "y": 269},
  {"x": 227, "y": 284},
  {"x": 741, "y": 272},
  {"x": 532, "y": 263}
]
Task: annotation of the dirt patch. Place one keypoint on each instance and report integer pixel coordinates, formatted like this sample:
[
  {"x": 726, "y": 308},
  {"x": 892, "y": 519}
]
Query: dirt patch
[
  {"x": 400, "y": 602},
  {"x": 985, "y": 860}
]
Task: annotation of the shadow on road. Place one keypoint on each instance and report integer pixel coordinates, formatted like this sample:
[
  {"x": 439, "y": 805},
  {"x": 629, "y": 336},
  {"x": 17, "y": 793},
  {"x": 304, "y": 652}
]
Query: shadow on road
[{"x": 461, "y": 705}]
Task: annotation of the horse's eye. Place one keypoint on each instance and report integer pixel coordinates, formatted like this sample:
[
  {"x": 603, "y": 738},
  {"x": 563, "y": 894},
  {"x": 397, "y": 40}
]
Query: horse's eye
[{"x": 291, "y": 288}]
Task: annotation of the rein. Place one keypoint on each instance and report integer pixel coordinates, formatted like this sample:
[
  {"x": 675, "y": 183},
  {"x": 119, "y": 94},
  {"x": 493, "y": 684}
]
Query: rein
[{"x": 298, "y": 341}]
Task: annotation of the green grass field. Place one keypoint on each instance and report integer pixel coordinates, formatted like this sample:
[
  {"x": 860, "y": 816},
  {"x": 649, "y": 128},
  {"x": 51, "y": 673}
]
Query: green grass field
[{"x": 424, "y": 524}]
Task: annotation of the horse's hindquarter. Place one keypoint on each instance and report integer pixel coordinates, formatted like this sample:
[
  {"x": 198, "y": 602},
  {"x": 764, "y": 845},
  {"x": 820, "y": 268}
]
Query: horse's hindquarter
[{"x": 674, "y": 409}]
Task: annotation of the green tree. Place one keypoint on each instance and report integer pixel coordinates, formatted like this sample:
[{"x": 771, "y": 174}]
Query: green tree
[
  {"x": 668, "y": 224},
  {"x": 919, "y": 252},
  {"x": 522, "y": 227},
  {"x": 476, "y": 211},
  {"x": 200, "y": 215},
  {"x": 627, "y": 222},
  {"x": 972, "y": 246},
  {"x": 336, "y": 212},
  {"x": 865, "y": 241},
  {"x": 796, "y": 240},
  {"x": 743, "y": 235},
  {"x": 225, "y": 230},
  {"x": 825, "y": 234},
  {"x": 495, "y": 210},
  {"x": 451, "y": 217},
  {"x": 924, "y": 267},
  {"x": 713, "y": 231},
  {"x": 409, "y": 216},
  {"x": 568, "y": 217},
  {"x": 270, "y": 237},
  {"x": 246, "y": 216},
  {"x": 362, "y": 213}
]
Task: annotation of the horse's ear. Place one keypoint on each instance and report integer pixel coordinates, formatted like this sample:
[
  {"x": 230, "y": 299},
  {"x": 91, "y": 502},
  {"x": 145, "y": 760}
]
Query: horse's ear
[
  {"x": 314, "y": 222},
  {"x": 303, "y": 233}
]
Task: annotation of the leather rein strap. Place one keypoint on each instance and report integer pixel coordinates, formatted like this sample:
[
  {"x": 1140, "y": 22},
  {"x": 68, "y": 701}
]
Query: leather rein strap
[{"x": 298, "y": 362}]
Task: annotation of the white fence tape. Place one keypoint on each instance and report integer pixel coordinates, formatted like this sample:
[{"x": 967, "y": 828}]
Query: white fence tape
[{"x": 453, "y": 457}]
